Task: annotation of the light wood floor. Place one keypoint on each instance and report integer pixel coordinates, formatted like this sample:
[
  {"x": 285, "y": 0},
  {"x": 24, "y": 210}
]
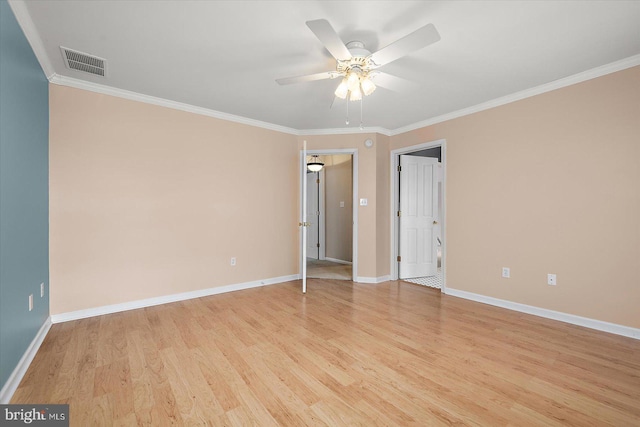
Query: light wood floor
[{"x": 343, "y": 354}]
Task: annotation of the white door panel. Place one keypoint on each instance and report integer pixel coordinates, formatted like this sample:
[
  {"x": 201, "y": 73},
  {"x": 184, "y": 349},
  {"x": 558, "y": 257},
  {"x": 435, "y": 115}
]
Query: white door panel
[
  {"x": 303, "y": 218},
  {"x": 418, "y": 207}
]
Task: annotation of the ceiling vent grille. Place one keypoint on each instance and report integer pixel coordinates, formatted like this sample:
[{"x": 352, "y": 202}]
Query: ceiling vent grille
[{"x": 84, "y": 62}]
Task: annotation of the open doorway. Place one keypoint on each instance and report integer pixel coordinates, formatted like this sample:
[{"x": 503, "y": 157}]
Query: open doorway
[
  {"x": 331, "y": 230},
  {"x": 418, "y": 209},
  {"x": 330, "y": 218}
]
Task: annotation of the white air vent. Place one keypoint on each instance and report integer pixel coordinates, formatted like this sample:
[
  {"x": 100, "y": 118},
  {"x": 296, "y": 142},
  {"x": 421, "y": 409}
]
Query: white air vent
[{"x": 84, "y": 62}]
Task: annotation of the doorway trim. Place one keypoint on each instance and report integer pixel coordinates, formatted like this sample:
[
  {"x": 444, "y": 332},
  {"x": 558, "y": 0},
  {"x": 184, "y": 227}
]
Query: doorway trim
[
  {"x": 354, "y": 182},
  {"x": 395, "y": 200}
]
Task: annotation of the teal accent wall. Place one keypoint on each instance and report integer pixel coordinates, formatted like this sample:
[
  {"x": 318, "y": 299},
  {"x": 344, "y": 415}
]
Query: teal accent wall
[{"x": 24, "y": 193}]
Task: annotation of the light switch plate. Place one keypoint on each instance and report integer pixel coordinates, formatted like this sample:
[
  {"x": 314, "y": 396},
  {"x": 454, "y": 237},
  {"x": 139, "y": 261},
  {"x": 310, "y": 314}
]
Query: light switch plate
[{"x": 363, "y": 202}]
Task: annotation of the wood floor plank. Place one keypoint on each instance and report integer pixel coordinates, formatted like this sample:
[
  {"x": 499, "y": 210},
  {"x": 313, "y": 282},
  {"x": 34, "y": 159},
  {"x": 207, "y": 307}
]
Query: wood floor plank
[
  {"x": 336, "y": 412},
  {"x": 194, "y": 399},
  {"x": 298, "y": 380},
  {"x": 343, "y": 354}
]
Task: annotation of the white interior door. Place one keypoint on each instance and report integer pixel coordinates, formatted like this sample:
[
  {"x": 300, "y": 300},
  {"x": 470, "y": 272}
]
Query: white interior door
[
  {"x": 313, "y": 216},
  {"x": 303, "y": 217},
  {"x": 418, "y": 215}
]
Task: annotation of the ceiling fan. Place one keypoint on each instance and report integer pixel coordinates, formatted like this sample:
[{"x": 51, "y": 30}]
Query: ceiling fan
[{"x": 357, "y": 66}]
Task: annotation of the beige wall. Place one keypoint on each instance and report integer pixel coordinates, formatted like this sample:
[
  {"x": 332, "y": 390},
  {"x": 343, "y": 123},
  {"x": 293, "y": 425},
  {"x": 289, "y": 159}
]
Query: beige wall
[
  {"x": 549, "y": 184},
  {"x": 338, "y": 220},
  {"x": 148, "y": 201}
]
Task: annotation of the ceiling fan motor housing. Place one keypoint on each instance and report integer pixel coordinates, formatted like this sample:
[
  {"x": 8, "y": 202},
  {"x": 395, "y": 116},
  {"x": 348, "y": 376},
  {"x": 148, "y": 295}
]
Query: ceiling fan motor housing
[{"x": 359, "y": 61}]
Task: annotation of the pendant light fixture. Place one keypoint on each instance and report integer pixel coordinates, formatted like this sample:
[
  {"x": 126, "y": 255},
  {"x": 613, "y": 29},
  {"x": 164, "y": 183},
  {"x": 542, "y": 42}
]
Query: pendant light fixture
[{"x": 315, "y": 165}]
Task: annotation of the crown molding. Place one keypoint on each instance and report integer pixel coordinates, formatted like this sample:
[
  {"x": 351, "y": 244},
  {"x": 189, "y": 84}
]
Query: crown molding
[
  {"x": 547, "y": 87},
  {"x": 593, "y": 73},
  {"x": 23, "y": 17},
  {"x": 135, "y": 96},
  {"x": 344, "y": 131}
]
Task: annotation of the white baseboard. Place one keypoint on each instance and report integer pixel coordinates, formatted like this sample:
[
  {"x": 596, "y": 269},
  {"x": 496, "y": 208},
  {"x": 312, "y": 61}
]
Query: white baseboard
[
  {"x": 339, "y": 261},
  {"x": 549, "y": 314},
  {"x": 362, "y": 279},
  {"x": 132, "y": 305},
  {"x": 21, "y": 368}
]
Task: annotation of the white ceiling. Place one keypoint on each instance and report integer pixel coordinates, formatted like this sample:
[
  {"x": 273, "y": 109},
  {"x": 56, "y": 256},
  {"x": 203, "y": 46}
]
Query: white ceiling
[{"x": 226, "y": 55}]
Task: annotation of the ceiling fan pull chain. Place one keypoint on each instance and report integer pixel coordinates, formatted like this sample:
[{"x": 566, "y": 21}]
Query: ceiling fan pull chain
[
  {"x": 361, "y": 104},
  {"x": 347, "y": 121}
]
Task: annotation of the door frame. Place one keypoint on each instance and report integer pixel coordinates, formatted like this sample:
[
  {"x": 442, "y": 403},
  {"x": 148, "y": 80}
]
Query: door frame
[
  {"x": 354, "y": 182},
  {"x": 395, "y": 200}
]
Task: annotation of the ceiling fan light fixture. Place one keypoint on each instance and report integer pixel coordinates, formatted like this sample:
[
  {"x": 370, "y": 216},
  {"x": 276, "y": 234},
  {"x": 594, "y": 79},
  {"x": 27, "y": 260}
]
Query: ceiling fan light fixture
[
  {"x": 353, "y": 81},
  {"x": 356, "y": 95},
  {"x": 367, "y": 86},
  {"x": 342, "y": 89}
]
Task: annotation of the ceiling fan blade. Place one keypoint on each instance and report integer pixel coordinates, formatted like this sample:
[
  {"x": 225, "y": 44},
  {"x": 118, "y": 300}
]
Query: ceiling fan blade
[
  {"x": 333, "y": 101},
  {"x": 420, "y": 38},
  {"x": 394, "y": 83},
  {"x": 331, "y": 40},
  {"x": 307, "y": 78}
]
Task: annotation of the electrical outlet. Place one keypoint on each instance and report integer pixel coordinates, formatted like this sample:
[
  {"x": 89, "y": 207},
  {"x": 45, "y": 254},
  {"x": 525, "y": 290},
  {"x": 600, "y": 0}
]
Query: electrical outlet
[
  {"x": 41, "y": 290},
  {"x": 506, "y": 272},
  {"x": 233, "y": 261},
  {"x": 30, "y": 302},
  {"x": 551, "y": 279}
]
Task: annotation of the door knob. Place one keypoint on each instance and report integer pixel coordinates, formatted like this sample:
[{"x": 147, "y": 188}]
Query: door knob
[{"x": 435, "y": 222}]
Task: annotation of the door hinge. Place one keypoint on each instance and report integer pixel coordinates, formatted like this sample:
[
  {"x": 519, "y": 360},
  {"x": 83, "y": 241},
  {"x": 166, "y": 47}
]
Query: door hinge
[
  {"x": 399, "y": 258},
  {"x": 399, "y": 168},
  {"x": 317, "y": 181},
  {"x": 399, "y": 213},
  {"x": 318, "y": 244}
]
